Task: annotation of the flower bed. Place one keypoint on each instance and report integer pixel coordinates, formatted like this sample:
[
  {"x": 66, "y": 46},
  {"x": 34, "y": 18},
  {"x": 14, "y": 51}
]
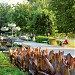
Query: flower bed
[{"x": 36, "y": 61}]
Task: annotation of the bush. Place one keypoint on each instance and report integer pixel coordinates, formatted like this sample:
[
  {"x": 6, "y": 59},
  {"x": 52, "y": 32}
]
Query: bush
[
  {"x": 45, "y": 39},
  {"x": 71, "y": 35},
  {"x": 7, "y": 69},
  {"x": 1, "y": 46},
  {"x": 42, "y": 39},
  {"x": 3, "y": 60},
  {"x": 15, "y": 45},
  {"x": 59, "y": 42},
  {"x": 12, "y": 71}
]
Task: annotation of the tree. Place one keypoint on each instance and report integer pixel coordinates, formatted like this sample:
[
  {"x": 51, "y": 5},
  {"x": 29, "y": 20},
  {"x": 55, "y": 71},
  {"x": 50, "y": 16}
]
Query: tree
[
  {"x": 31, "y": 1},
  {"x": 40, "y": 20},
  {"x": 5, "y": 14},
  {"x": 43, "y": 25},
  {"x": 21, "y": 15},
  {"x": 64, "y": 11}
]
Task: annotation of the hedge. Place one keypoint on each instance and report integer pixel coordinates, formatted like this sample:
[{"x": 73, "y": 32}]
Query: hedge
[
  {"x": 41, "y": 39},
  {"x": 45, "y": 39}
]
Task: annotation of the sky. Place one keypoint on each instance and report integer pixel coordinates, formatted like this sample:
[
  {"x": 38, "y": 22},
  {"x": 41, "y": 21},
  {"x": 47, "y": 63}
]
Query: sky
[{"x": 12, "y": 1}]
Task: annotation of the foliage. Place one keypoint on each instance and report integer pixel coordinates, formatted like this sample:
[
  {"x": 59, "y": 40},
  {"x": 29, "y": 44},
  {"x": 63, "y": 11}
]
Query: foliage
[
  {"x": 3, "y": 60},
  {"x": 31, "y": 1},
  {"x": 1, "y": 47},
  {"x": 6, "y": 13},
  {"x": 40, "y": 16},
  {"x": 71, "y": 35},
  {"x": 64, "y": 11},
  {"x": 12, "y": 71},
  {"x": 9, "y": 69},
  {"x": 15, "y": 45},
  {"x": 52, "y": 40},
  {"x": 41, "y": 39},
  {"x": 40, "y": 22},
  {"x": 21, "y": 16}
]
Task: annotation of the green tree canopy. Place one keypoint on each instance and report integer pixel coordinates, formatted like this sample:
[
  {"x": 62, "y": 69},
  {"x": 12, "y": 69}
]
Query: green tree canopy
[
  {"x": 21, "y": 15},
  {"x": 6, "y": 13},
  {"x": 64, "y": 11}
]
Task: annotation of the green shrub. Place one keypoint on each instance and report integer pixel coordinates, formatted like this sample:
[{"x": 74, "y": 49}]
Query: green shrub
[
  {"x": 58, "y": 42},
  {"x": 45, "y": 39},
  {"x": 15, "y": 45},
  {"x": 71, "y": 35},
  {"x": 1, "y": 47},
  {"x": 12, "y": 71},
  {"x": 39, "y": 39},
  {"x": 3, "y": 60},
  {"x": 7, "y": 69},
  {"x": 42, "y": 39}
]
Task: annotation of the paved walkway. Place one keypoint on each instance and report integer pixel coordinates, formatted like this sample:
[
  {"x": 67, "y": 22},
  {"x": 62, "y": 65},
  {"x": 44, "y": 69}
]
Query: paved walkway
[{"x": 49, "y": 47}]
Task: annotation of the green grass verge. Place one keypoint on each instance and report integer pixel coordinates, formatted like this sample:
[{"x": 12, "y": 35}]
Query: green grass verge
[{"x": 7, "y": 69}]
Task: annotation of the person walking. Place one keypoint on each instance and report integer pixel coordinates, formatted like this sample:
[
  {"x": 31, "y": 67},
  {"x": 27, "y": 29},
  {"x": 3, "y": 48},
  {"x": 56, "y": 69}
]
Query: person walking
[{"x": 66, "y": 40}]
